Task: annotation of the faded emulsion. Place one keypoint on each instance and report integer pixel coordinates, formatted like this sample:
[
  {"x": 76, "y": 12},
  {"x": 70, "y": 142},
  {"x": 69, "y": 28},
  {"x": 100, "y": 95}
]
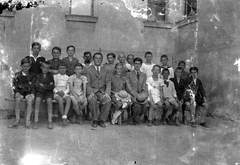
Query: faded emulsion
[{"x": 208, "y": 39}]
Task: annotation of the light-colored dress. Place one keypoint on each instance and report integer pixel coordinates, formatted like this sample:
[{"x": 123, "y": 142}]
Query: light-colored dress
[{"x": 154, "y": 88}]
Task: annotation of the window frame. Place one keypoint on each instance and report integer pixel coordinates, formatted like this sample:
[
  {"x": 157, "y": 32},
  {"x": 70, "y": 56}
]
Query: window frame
[
  {"x": 188, "y": 4},
  {"x": 151, "y": 3},
  {"x": 92, "y": 9}
]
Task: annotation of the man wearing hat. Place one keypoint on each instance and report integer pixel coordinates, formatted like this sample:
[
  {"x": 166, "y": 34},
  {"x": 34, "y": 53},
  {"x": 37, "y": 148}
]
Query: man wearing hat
[{"x": 137, "y": 87}]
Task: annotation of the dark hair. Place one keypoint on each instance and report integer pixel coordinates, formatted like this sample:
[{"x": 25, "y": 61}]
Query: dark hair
[
  {"x": 111, "y": 54},
  {"x": 156, "y": 65},
  {"x": 98, "y": 53},
  {"x": 164, "y": 56},
  {"x": 45, "y": 62},
  {"x": 25, "y": 60},
  {"x": 78, "y": 64},
  {"x": 70, "y": 47},
  {"x": 62, "y": 64},
  {"x": 56, "y": 48},
  {"x": 193, "y": 68},
  {"x": 165, "y": 70},
  {"x": 130, "y": 55},
  {"x": 138, "y": 59},
  {"x": 148, "y": 52},
  {"x": 181, "y": 62},
  {"x": 86, "y": 53},
  {"x": 178, "y": 68},
  {"x": 36, "y": 43}
]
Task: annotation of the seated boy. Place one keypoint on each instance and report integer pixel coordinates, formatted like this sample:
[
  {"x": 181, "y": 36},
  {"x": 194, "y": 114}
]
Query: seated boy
[
  {"x": 61, "y": 91},
  {"x": 179, "y": 84},
  {"x": 169, "y": 97},
  {"x": 77, "y": 84},
  {"x": 55, "y": 61},
  {"x": 195, "y": 84},
  {"x": 44, "y": 84},
  {"x": 155, "y": 89},
  {"x": 23, "y": 89}
]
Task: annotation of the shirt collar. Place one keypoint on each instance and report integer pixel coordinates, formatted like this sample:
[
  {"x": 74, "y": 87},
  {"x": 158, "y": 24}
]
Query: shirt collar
[{"x": 34, "y": 57}]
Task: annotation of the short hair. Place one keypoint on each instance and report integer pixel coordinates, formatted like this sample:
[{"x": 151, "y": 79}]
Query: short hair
[
  {"x": 71, "y": 46},
  {"x": 56, "y": 48},
  {"x": 130, "y": 55},
  {"x": 138, "y": 59},
  {"x": 148, "y": 52},
  {"x": 156, "y": 65},
  {"x": 78, "y": 64},
  {"x": 181, "y": 62},
  {"x": 98, "y": 53},
  {"x": 86, "y": 53},
  {"x": 62, "y": 64},
  {"x": 121, "y": 54},
  {"x": 178, "y": 68},
  {"x": 164, "y": 56},
  {"x": 193, "y": 68},
  {"x": 111, "y": 54},
  {"x": 36, "y": 43},
  {"x": 165, "y": 70},
  {"x": 25, "y": 60},
  {"x": 117, "y": 64}
]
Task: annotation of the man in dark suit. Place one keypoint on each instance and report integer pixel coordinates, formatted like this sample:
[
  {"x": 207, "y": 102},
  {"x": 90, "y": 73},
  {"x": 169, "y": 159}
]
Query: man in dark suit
[
  {"x": 98, "y": 89},
  {"x": 179, "y": 84},
  {"x": 200, "y": 96},
  {"x": 137, "y": 87}
]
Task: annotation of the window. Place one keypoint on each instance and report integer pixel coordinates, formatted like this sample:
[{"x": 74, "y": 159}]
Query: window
[
  {"x": 81, "y": 7},
  {"x": 190, "y": 8},
  {"x": 156, "y": 10}
]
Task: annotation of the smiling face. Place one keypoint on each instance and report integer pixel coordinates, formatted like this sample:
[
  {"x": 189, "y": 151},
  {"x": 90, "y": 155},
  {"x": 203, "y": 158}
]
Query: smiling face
[
  {"x": 165, "y": 74},
  {"x": 130, "y": 59},
  {"x": 182, "y": 65},
  {"x": 110, "y": 59},
  {"x": 194, "y": 74},
  {"x": 148, "y": 58},
  {"x": 178, "y": 73},
  {"x": 156, "y": 71},
  {"x": 78, "y": 70},
  {"x": 56, "y": 54},
  {"x": 121, "y": 58},
  {"x": 119, "y": 69},
  {"x": 137, "y": 65},
  {"x": 62, "y": 70},
  {"x": 164, "y": 61}
]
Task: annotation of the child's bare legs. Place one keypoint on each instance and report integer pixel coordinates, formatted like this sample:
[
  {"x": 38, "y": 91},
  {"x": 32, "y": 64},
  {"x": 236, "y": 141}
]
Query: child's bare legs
[
  {"x": 158, "y": 111},
  {"x": 76, "y": 107},
  {"x": 49, "y": 107},
  {"x": 67, "y": 106},
  {"x": 37, "y": 106},
  {"x": 190, "y": 106},
  {"x": 165, "y": 110},
  {"x": 29, "y": 99},
  {"x": 59, "y": 100},
  {"x": 117, "y": 112},
  {"x": 152, "y": 108},
  {"x": 18, "y": 99}
]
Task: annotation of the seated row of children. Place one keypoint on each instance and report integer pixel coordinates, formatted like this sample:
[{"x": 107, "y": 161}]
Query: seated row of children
[{"x": 67, "y": 81}]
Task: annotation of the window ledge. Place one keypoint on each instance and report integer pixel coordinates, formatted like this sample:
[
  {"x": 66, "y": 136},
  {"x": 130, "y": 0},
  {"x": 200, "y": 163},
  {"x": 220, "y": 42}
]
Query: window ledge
[
  {"x": 7, "y": 13},
  {"x": 81, "y": 18},
  {"x": 187, "y": 21},
  {"x": 155, "y": 24}
]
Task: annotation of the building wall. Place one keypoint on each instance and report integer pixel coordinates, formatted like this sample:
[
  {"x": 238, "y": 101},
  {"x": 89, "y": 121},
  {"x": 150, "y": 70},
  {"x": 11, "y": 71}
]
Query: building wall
[{"x": 119, "y": 28}]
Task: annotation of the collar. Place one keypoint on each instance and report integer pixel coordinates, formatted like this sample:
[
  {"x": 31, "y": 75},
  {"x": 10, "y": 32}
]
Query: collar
[
  {"x": 85, "y": 64},
  {"x": 24, "y": 74},
  {"x": 35, "y": 58}
]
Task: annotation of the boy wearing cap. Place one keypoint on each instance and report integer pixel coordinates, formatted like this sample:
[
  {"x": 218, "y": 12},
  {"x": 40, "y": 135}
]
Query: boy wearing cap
[{"x": 137, "y": 87}]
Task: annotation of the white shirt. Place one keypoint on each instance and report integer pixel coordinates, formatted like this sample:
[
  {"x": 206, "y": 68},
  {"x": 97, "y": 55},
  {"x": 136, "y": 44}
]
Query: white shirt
[
  {"x": 35, "y": 58},
  {"x": 129, "y": 67},
  {"x": 147, "y": 69},
  {"x": 154, "y": 88},
  {"x": 171, "y": 71},
  {"x": 61, "y": 83}
]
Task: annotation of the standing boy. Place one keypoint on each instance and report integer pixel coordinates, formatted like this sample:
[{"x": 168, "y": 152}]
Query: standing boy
[
  {"x": 110, "y": 66},
  {"x": 23, "y": 88},
  {"x": 129, "y": 63},
  {"x": 44, "y": 84},
  {"x": 182, "y": 64},
  {"x": 70, "y": 60},
  {"x": 169, "y": 97},
  {"x": 98, "y": 89},
  {"x": 155, "y": 90},
  {"x": 35, "y": 59},
  {"x": 164, "y": 61},
  {"x": 122, "y": 60},
  {"x": 147, "y": 66},
  {"x": 137, "y": 88},
  {"x": 61, "y": 91},
  {"x": 55, "y": 61},
  {"x": 179, "y": 84},
  {"x": 78, "y": 91}
]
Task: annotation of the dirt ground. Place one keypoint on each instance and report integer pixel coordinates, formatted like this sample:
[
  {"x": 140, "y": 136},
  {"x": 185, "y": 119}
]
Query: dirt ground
[{"x": 120, "y": 145}]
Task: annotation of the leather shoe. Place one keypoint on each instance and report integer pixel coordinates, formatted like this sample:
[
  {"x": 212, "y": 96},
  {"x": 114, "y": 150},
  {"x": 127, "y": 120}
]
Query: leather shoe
[
  {"x": 204, "y": 124},
  {"x": 94, "y": 124},
  {"x": 102, "y": 124}
]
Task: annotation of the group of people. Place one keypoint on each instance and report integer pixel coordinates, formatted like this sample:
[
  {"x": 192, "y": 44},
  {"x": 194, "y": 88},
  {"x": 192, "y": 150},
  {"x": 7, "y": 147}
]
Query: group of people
[{"x": 102, "y": 92}]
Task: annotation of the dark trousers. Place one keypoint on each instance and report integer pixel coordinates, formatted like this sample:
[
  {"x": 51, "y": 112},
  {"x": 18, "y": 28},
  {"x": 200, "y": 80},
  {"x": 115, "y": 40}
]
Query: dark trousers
[
  {"x": 94, "y": 107},
  {"x": 138, "y": 110}
]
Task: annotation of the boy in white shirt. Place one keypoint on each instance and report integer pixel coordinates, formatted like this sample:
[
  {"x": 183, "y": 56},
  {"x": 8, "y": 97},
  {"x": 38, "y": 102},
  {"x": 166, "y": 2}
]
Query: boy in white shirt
[
  {"x": 148, "y": 65},
  {"x": 155, "y": 89},
  {"x": 61, "y": 91}
]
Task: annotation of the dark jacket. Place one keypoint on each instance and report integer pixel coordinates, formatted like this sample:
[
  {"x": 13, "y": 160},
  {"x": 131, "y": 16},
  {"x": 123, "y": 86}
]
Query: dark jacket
[
  {"x": 198, "y": 87},
  {"x": 179, "y": 87},
  {"x": 48, "y": 83},
  {"x": 24, "y": 84},
  {"x": 35, "y": 65}
]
